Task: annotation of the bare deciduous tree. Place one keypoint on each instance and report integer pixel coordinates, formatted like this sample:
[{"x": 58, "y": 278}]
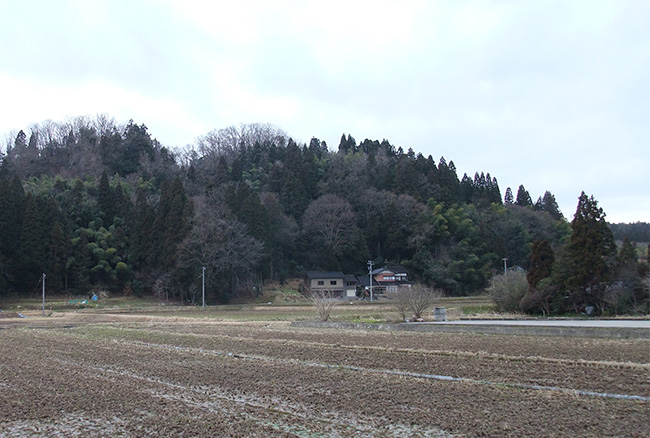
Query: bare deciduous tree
[
  {"x": 400, "y": 302},
  {"x": 163, "y": 286},
  {"x": 331, "y": 221},
  {"x": 230, "y": 140},
  {"x": 324, "y": 302},
  {"x": 414, "y": 300},
  {"x": 219, "y": 243}
]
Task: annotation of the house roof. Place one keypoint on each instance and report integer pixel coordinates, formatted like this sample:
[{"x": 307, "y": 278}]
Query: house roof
[
  {"x": 325, "y": 274},
  {"x": 390, "y": 269},
  {"x": 378, "y": 271},
  {"x": 364, "y": 281},
  {"x": 349, "y": 278},
  {"x": 397, "y": 269}
]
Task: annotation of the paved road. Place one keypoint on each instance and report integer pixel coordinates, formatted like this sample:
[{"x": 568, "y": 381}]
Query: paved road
[{"x": 625, "y": 323}]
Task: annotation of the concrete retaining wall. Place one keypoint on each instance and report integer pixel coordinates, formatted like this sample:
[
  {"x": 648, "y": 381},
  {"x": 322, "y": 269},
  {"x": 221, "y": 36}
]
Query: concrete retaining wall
[{"x": 495, "y": 329}]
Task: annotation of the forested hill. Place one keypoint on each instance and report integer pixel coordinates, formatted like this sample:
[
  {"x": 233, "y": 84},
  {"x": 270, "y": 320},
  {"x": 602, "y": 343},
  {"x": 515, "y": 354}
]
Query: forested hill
[
  {"x": 635, "y": 232},
  {"x": 97, "y": 205}
]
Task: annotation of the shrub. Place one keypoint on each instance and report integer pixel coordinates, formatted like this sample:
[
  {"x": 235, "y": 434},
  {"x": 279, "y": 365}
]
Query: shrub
[
  {"x": 414, "y": 300},
  {"x": 324, "y": 302},
  {"x": 508, "y": 289},
  {"x": 644, "y": 301},
  {"x": 400, "y": 302},
  {"x": 631, "y": 296},
  {"x": 539, "y": 298}
]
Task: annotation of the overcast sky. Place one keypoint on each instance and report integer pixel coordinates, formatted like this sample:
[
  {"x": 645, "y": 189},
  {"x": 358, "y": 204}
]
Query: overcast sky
[{"x": 554, "y": 95}]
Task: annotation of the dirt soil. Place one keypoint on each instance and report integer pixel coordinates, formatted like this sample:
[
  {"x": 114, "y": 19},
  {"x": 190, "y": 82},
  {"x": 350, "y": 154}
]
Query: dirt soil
[
  {"x": 7, "y": 315},
  {"x": 141, "y": 376}
]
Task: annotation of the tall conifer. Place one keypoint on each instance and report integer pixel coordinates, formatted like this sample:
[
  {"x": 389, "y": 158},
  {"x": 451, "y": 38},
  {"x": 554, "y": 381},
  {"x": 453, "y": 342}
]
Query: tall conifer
[
  {"x": 34, "y": 243},
  {"x": 591, "y": 249},
  {"x": 105, "y": 200},
  {"x": 508, "y": 199},
  {"x": 541, "y": 262},
  {"x": 523, "y": 197}
]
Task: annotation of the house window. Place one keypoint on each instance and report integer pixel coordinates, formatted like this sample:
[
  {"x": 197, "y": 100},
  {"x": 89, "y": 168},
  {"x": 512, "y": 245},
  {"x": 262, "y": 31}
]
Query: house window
[
  {"x": 332, "y": 282},
  {"x": 321, "y": 282}
]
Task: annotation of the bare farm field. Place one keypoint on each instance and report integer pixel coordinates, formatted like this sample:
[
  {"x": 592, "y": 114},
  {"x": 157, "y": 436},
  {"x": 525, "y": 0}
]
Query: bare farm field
[{"x": 128, "y": 375}]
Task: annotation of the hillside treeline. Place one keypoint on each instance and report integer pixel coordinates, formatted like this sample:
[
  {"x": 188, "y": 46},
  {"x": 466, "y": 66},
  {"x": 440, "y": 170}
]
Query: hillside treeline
[
  {"x": 635, "y": 232},
  {"x": 93, "y": 204}
]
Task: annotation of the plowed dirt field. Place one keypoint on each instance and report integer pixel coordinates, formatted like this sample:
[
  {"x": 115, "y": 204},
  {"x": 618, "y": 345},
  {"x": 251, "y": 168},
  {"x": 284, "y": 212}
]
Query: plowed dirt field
[{"x": 183, "y": 377}]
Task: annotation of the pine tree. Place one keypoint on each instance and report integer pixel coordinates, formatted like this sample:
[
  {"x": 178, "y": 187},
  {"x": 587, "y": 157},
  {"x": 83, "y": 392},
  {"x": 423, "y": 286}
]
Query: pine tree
[
  {"x": 467, "y": 187},
  {"x": 79, "y": 264},
  {"x": 318, "y": 148},
  {"x": 293, "y": 195},
  {"x": 627, "y": 254},
  {"x": 447, "y": 181},
  {"x": 34, "y": 243},
  {"x": 591, "y": 250},
  {"x": 110, "y": 149},
  {"x": 4, "y": 276},
  {"x": 105, "y": 199},
  {"x": 541, "y": 262},
  {"x": 508, "y": 199},
  {"x": 10, "y": 219},
  {"x": 121, "y": 203},
  {"x": 493, "y": 191},
  {"x": 254, "y": 215},
  {"x": 236, "y": 170},
  {"x": 170, "y": 225},
  {"x": 141, "y": 230},
  {"x": 309, "y": 173},
  {"x": 137, "y": 144},
  {"x": 405, "y": 179},
  {"x": 523, "y": 197},
  {"x": 549, "y": 204},
  {"x": 347, "y": 144},
  {"x": 12, "y": 198},
  {"x": 58, "y": 257},
  {"x": 156, "y": 252},
  {"x": 20, "y": 144}
]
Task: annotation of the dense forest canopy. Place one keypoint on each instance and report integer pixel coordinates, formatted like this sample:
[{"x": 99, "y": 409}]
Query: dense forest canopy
[
  {"x": 635, "y": 232},
  {"x": 94, "y": 204}
]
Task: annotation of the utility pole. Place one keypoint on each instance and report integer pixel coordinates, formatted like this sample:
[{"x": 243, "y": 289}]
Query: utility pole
[
  {"x": 43, "y": 293},
  {"x": 370, "y": 277},
  {"x": 203, "y": 288},
  {"x": 505, "y": 265}
]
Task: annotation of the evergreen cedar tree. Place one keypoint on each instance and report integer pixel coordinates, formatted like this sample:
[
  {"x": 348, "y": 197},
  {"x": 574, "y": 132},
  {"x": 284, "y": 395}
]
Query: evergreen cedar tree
[
  {"x": 96, "y": 205},
  {"x": 591, "y": 251},
  {"x": 523, "y": 197},
  {"x": 508, "y": 199},
  {"x": 542, "y": 259}
]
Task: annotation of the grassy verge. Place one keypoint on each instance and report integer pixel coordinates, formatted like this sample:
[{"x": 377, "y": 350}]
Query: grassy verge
[{"x": 275, "y": 305}]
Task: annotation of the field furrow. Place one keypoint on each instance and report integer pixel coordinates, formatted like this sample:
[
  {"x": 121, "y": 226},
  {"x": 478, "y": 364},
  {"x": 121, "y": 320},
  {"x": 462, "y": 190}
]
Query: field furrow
[{"x": 192, "y": 379}]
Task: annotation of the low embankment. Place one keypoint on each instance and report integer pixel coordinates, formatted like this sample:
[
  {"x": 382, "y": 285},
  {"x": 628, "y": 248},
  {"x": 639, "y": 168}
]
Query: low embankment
[{"x": 633, "y": 330}]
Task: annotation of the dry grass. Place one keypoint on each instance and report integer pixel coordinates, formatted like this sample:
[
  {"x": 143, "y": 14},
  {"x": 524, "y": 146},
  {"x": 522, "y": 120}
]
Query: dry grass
[{"x": 497, "y": 315}]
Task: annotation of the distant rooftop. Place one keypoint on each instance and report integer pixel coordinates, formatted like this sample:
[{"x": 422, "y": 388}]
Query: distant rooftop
[{"x": 325, "y": 274}]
